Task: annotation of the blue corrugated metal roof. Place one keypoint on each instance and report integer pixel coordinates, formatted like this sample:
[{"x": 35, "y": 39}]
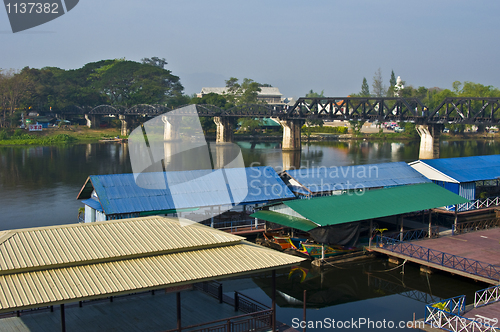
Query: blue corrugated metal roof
[
  {"x": 468, "y": 169},
  {"x": 119, "y": 193},
  {"x": 93, "y": 204},
  {"x": 321, "y": 179}
]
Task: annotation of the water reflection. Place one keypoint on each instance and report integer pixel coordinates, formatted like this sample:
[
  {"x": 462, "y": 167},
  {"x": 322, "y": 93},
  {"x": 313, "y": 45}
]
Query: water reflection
[{"x": 40, "y": 184}]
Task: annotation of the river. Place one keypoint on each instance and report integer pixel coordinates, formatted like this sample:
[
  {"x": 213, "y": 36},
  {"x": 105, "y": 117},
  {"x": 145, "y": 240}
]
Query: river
[{"x": 39, "y": 186}]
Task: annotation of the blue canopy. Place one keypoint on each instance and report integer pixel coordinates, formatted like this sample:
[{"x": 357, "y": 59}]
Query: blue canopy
[{"x": 468, "y": 169}]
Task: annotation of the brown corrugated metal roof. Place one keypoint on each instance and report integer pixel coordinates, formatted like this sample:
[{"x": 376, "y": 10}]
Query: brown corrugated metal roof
[{"x": 134, "y": 254}]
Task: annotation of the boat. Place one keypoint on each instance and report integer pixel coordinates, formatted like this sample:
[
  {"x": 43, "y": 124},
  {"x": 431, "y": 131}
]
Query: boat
[
  {"x": 278, "y": 242},
  {"x": 113, "y": 140},
  {"x": 314, "y": 250}
]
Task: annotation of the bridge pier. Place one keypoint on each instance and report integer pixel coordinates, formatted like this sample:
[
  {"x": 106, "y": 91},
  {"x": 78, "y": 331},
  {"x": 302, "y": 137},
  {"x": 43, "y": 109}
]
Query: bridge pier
[
  {"x": 93, "y": 120},
  {"x": 126, "y": 121},
  {"x": 291, "y": 159},
  {"x": 171, "y": 129},
  {"x": 291, "y": 134},
  {"x": 429, "y": 140},
  {"x": 224, "y": 130}
]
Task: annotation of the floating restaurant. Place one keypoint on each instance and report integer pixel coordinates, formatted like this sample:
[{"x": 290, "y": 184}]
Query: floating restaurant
[
  {"x": 470, "y": 177},
  {"x": 58, "y": 265},
  {"x": 320, "y": 181},
  {"x": 220, "y": 198}
]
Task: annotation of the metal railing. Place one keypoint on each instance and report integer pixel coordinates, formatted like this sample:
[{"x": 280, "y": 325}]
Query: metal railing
[
  {"x": 257, "y": 321},
  {"x": 475, "y": 204},
  {"x": 456, "y": 323},
  {"x": 239, "y": 225},
  {"x": 240, "y": 301},
  {"x": 447, "y": 314},
  {"x": 470, "y": 226},
  {"x": 257, "y": 317},
  {"x": 487, "y": 295},
  {"x": 440, "y": 258},
  {"x": 415, "y": 234}
]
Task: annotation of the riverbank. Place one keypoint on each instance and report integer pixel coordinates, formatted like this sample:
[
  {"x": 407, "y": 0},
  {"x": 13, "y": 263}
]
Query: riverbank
[
  {"x": 82, "y": 134},
  {"x": 53, "y": 136}
]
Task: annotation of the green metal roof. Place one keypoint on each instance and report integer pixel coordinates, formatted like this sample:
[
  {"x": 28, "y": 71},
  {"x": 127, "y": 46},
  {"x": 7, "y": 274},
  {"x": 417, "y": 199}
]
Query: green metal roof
[
  {"x": 285, "y": 220},
  {"x": 332, "y": 210}
]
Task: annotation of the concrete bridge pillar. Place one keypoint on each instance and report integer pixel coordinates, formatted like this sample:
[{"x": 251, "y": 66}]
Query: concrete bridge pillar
[
  {"x": 291, "y": 159},
  {"x": 291, "y": 134},
  {"x": 224, "y": 130},
  {"x": 126, "y": 121},
  {"x": 429, "y": 140},
  {"x": 93, "y": 120},
  {"x": 172, "y": 126}
]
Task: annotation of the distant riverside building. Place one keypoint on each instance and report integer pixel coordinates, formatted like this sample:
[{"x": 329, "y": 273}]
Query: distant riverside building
[{"x": 269, "y": 95}]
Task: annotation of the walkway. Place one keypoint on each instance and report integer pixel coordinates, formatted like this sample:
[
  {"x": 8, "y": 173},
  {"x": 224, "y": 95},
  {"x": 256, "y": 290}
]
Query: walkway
[
  {"x": 143, "y": 312},
  {"x": 474, "y": 255}
]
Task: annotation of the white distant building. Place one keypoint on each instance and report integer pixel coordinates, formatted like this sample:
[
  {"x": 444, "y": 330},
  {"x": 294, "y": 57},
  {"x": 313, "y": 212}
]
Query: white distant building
[
  {"x": 398, "y": 87},
  {"x": 269, "y": 95}
]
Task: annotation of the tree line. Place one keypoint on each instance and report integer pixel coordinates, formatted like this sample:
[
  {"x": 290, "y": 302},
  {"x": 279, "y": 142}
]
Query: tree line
[
  {"x": 431, "y": 97},
  {"x": 121, "y": 82}
]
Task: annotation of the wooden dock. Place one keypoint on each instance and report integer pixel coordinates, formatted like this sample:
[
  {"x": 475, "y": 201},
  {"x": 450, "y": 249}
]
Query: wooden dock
[{"x": 475, "y": 254}]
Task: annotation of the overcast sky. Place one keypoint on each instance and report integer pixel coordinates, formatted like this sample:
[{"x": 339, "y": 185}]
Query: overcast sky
[{"x": 296, "y": 46}]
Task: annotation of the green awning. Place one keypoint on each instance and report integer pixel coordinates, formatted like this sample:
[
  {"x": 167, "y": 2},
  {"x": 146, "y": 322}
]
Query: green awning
[
  {"x": 285, "y": 220},
  {"x": 332, "y": 210}
]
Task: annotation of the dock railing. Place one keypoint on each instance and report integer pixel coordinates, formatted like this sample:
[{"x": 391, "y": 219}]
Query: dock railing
[
  {"x": 475, "y": 204},
  {"x": 444, "y": 259},
  {"x": 256, "y": 321},
  {"x": 240, "y": 301},
  {"x": 416, "y": 234},
  {"x": 485, "y": 296},
  {"x": 477, "y": 225},
  {"x": 447, "y": 315}
]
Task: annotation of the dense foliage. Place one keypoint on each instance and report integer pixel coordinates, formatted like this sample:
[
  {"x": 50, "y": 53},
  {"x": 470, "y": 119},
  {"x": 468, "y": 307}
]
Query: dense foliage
[{"x": 114, "y": 82}]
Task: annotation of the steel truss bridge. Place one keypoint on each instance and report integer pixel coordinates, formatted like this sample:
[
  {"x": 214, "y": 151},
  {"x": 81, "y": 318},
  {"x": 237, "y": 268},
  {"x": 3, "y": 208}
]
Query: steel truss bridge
[{"x": 464, "y": 110}]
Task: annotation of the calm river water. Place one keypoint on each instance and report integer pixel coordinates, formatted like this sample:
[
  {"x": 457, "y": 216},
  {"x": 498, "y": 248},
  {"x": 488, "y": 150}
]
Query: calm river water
[{"x": 39, "y": 185}]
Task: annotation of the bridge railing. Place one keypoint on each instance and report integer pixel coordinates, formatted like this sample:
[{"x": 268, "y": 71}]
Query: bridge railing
[{"x": 444, "y": 259}]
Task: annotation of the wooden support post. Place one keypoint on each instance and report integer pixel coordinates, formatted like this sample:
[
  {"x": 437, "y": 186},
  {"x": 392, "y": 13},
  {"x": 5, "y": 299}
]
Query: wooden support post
[
  {"x": 273, "y": 296},
  {"x": 430, "y": 225},
  {"x": 236, "y": 301},
  {"x": 220, "y": 294},
  {"x": 455, "y": 221},
  {"x": 63, "y": 319},
  {"x": 322, "y": 251},
  {"x": 371, "y": 234},
  {"x": 401, "y": 229},
  {"x": 179, "y": 311},
  {"x": 212, "y": 216},
  {"x": 430, "y": 217},
  {"x": 305, "y": 301}
]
